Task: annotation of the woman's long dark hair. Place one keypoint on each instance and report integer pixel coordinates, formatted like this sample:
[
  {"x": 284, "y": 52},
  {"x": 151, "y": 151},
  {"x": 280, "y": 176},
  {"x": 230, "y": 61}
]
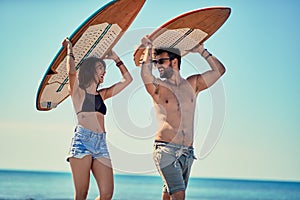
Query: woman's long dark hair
[{"x": 87, "y": 71}]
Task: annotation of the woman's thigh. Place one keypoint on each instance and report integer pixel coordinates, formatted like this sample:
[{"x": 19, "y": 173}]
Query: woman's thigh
[
  {"x": 81, "y": 173},
  {"x": 103, "y": 173}
]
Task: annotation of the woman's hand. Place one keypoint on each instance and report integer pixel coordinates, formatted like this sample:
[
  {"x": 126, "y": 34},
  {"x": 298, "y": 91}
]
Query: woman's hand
[
  {"x": 112, "y": 55},
  {"x": 67, "y": 43}
]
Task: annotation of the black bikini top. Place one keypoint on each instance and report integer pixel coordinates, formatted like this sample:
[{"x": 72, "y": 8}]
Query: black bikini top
[{"x": 93, "y": 103}]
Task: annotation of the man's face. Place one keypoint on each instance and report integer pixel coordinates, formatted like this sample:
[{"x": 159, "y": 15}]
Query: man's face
[{"x": 164, "y": 66}]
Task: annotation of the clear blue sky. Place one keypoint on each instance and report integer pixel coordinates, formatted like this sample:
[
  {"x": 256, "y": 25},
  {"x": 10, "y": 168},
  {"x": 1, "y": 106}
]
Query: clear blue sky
[{"x": 259, "y": 46}]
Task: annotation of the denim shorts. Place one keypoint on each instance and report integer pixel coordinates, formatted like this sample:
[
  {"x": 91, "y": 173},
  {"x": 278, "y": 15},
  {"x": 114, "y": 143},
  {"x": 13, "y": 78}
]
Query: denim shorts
[
  {"x": 86, "y": 142},
  {"x": 174, "y": 164}
]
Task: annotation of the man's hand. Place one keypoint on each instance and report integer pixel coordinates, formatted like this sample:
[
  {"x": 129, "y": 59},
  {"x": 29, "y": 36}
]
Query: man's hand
[
  {"x": 198, "y": 49},
  {"x": 146, "y": 41}
]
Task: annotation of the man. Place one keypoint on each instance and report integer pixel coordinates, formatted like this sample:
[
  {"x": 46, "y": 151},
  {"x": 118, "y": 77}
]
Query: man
[{"x": 174, "y": 99}]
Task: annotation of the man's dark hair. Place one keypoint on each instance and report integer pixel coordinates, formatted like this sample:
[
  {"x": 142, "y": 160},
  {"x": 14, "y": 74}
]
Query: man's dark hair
[{"x": 172, "y": 53}]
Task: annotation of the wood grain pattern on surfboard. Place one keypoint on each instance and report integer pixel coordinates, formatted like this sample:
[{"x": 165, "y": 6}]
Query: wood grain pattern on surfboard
[
  {"x": 187, "y": 30},
  {"x": 94, "y": 37}
]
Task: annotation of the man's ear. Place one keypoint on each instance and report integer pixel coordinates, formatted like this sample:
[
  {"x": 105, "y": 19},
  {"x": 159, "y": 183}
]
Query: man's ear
[{"x": 174, "y": 63}]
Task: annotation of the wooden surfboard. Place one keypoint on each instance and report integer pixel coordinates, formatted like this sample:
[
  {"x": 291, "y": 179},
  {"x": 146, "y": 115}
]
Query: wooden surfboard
[
  {"x": 187, "y": 30},
  {"x": 94, "y": 37}
]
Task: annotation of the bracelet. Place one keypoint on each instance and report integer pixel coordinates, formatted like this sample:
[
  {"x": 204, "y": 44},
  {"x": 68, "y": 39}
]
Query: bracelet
[
  {"x": 208, "y": 56},
  {"x": 119, "y": 63},
  {"x": 203, "y": 52},
  {"x": 71, "y": 55}
]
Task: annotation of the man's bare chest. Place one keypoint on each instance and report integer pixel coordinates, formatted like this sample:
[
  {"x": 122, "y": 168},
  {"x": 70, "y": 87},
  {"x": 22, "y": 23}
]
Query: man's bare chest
[{"x": 182, "y": 95}]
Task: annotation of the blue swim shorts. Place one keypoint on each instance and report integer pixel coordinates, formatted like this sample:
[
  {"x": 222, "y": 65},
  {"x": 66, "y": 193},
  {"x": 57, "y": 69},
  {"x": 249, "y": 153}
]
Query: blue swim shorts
[
  {"x": 86, "y": 142},
  {"x": 174, "y": 164}
]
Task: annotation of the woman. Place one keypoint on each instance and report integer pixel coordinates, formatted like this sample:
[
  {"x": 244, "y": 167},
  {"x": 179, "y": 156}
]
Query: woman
[{"x": 88, "y": 151}]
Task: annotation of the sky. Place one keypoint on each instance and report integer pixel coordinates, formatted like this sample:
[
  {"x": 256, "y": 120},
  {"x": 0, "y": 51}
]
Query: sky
[{"x": 254, "y": 108}]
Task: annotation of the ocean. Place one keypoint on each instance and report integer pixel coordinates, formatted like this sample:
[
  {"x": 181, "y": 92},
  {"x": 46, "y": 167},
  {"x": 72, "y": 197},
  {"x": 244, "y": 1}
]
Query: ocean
[{"x": 29, "y": 185}]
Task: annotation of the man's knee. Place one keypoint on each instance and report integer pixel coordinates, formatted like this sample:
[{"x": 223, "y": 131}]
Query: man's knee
[
  {"x": 180, "y": 195},
  {"x": 165, "y": 196}
]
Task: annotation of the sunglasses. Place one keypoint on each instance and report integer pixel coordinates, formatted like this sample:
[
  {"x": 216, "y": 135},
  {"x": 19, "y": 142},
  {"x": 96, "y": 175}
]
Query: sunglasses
[{"x": 160, "y": 61}]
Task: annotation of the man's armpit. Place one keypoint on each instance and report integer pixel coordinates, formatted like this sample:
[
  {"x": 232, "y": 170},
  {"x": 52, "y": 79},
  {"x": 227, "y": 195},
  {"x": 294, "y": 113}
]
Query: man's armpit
[{"x": 156, "y": 84}]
